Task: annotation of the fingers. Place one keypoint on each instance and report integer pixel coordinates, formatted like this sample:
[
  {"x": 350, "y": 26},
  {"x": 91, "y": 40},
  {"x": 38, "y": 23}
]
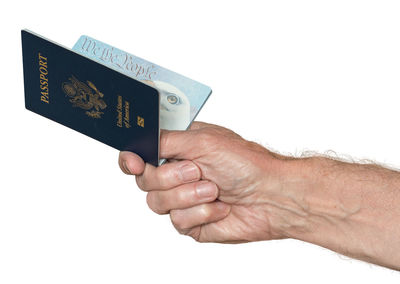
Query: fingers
[
  {"x": 163, "y": 177},
  {"x": 186, "y": 219},
  {"x": 130, "y": 163},
  {"x": 168, "y": 176},
  {"x": 184, "y": 196}
]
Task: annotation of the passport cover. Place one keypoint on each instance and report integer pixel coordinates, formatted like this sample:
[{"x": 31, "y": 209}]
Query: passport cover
[
  {"x": 91, "y": 98},
  {"x": 181, "y": 98}
]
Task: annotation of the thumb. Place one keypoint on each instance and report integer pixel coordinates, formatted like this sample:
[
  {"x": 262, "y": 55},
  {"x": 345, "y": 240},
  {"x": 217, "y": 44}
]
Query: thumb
[
  {"x": 180, "y": 145},
  {"x": 131, "y": 163},
  {"x": 183, "y": 145}
]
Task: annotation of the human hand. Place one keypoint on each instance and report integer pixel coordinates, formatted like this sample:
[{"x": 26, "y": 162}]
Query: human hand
[
  {"x": 215, "y": 187},
  {"x": 218, "y": 187}
]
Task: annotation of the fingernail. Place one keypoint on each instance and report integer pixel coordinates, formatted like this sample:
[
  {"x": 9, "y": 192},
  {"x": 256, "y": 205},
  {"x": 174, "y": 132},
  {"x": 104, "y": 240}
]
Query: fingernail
[
  {"x": 126, "y": 167},
  {"x": 189, "y": 172},
  {"x": 205, "y": 189}
]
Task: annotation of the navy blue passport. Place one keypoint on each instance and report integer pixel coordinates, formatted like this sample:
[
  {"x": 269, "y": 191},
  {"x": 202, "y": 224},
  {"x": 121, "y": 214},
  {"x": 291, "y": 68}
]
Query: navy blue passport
[{"x": 91, "y": 98}]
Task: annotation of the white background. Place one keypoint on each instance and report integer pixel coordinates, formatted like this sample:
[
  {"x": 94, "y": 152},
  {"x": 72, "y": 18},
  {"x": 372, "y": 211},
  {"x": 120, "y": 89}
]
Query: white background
[{"x": 292, "y": 75}]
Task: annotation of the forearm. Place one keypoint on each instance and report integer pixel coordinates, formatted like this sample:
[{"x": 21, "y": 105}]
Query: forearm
[{"x": 349, "y": 208}]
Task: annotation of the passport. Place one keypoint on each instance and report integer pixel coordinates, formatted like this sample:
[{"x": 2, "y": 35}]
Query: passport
[
  {"x": 102, "y": 102},
  {"x": 181, "y": 98}
]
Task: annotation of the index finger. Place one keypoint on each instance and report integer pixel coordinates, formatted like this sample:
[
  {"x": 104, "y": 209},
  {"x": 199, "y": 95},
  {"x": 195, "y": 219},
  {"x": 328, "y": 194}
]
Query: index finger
[{"x": 168, "y": 176}]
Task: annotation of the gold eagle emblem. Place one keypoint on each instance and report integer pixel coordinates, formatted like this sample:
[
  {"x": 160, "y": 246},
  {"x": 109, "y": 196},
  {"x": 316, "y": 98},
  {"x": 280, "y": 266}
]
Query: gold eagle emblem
[{"x": 84, "y": 96}]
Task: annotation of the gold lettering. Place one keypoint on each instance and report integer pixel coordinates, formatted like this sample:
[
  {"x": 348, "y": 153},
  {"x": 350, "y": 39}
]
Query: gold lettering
[
  {"x": 43, "y": 79},
  {"x": 126, "y": 116},
  {"x": 41, "y": 57},
  {"x": 43, "y": 71},
  {"x": 43, "y": 63},
  {"x": 45, "y": 98},
  {"x": 119, "y": 111}
]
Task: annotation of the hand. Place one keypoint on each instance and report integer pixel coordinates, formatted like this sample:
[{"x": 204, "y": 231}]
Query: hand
[
  {"x": 218, "y": 187},
  {"x": 215, "y": 185}
]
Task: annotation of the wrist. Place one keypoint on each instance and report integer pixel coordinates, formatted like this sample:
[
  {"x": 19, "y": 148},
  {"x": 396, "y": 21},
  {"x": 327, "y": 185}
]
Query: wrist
[
  {"x": 301, "y": 206},
  {"x": 285, "y": 201}
]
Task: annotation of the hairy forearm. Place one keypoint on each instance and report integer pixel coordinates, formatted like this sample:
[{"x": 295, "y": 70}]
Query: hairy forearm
[{"x": 353, "y": 209}]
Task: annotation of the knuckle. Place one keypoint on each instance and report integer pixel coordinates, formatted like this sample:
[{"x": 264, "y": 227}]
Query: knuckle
[
  {"x": 168, "y": 175},
  {"x": 176, "y": 175},
  {"x": 180, "y": 197},
  {"x": 178, "y": 220},
  {"x": 167, "y": 139},
  {"x": 150, "y": 201},
  {"x": 141, "y": 183},
  {"x": 208, "y": 137},
  {"x": 163, "y": 176},
  {"x": 153, "y": 202},
  {"x": 205, "y": 212},
  {"x": 195, "y": 234},
  {"x": 164, "y": 140}
]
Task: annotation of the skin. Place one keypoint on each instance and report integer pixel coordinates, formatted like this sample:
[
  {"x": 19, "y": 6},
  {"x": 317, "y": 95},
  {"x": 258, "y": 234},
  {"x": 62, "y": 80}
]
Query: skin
[{"x": 218, "y": 187}]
